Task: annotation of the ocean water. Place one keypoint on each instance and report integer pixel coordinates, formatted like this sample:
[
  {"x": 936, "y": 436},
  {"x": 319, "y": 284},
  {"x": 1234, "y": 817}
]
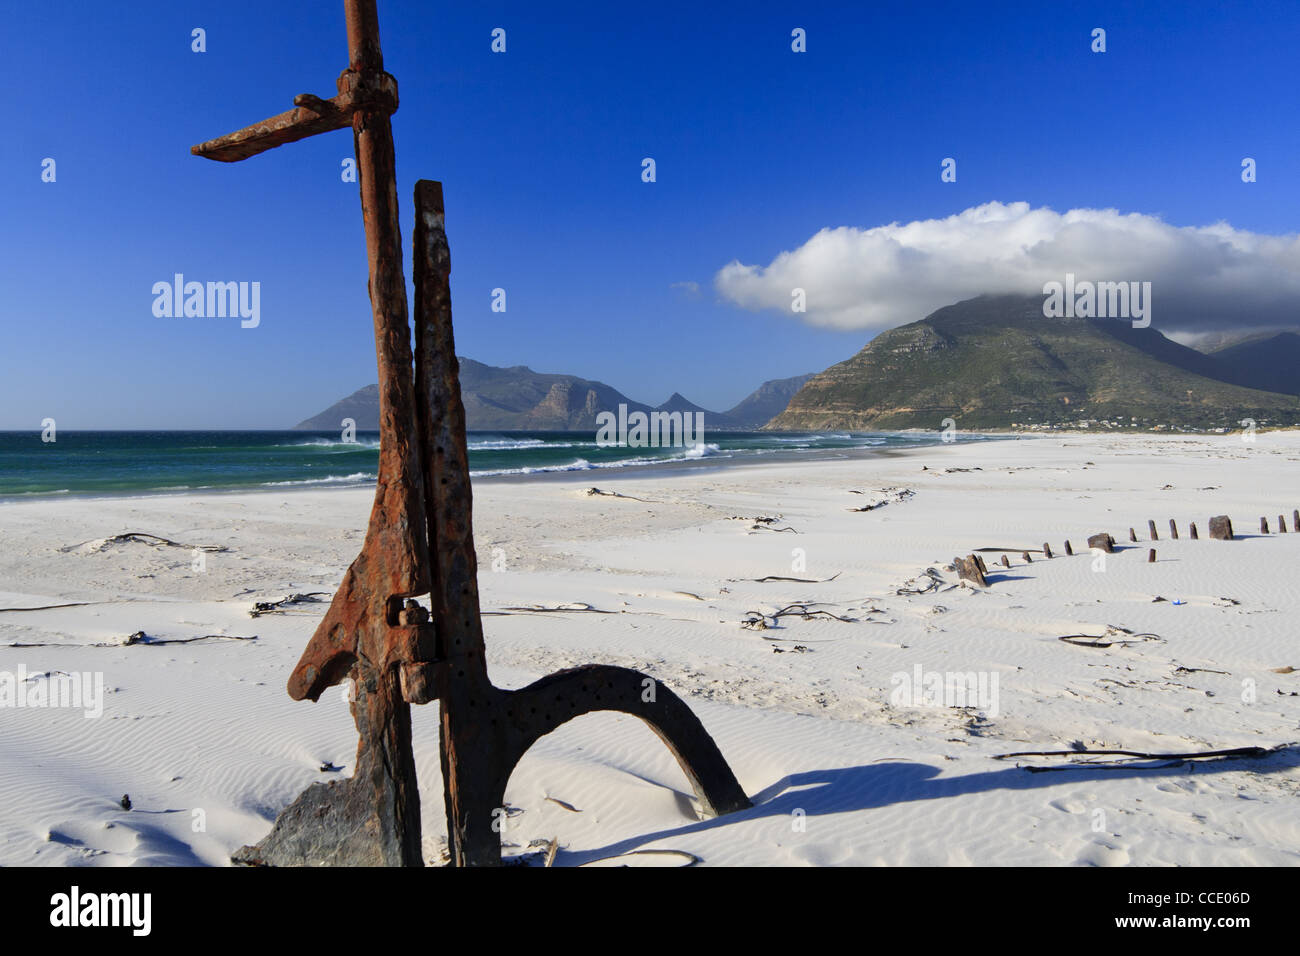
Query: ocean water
[{"x": 139, "y": 462}]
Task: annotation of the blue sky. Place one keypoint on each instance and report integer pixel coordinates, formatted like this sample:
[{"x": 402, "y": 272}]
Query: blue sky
[{"x": 540, "y": 150}]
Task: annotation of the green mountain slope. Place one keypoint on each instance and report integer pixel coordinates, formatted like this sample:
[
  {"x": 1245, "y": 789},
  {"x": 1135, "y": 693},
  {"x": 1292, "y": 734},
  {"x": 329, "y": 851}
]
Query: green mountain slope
[{"x": 995, "y": 361}]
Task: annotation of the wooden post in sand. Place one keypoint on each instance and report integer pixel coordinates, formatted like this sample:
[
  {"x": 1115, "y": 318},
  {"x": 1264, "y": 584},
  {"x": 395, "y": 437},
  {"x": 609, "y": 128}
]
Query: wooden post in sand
[
  {"x": 1132, "y": 535},
  {"x": 1102, "y": 542},
  {"x": 1028, "y": 559},
  {"x": 1295, "y": 520},
  {"x": 1263, "y": 525},
  {"x": 1173, "y": 529},
  {"x": 1006, "y": 562},
  {"x": 1068, "y": 550},
  {"x": 1221, "y": 528},
  {"x": 1281, "y": 524},
  {"x": 1193, "y": 527},
  {"x": 968, "y": 569},
  {"x": 1047, "y": 550},
  {"x": 1151, "y": 526},
  {"x": 1151, "y": 556}
]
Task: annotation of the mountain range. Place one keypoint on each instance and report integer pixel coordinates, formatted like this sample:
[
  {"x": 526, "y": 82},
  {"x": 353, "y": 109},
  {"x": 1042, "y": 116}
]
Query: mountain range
[
  {"x": 998, "y": 361},
  {"x": 519, "y": 399},
  {"x": 988, "y": 362}
]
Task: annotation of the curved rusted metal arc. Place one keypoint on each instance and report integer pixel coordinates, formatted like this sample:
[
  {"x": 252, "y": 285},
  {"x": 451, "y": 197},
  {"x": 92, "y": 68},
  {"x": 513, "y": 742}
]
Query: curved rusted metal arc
[
  {"x": 486, "y": 731},
  {"x": 553, "y": 700},
  {"x": 394, "y": 558}
]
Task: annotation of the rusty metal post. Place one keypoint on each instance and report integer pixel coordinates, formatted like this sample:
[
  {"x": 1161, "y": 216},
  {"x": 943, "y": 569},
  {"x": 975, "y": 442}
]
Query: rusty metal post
[
  {"x": 486, "y": 730},
  {"x": 420, "y": 539},
  {"x": 373, "y": 818}
]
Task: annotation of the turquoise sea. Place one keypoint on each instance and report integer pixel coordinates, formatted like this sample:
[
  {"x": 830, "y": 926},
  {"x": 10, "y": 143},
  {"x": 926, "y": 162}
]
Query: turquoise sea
[{"x": 146, "y": 462}]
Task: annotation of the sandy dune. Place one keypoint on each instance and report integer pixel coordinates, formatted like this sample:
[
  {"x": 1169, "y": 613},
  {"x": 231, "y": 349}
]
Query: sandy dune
[{"x": 209, "y": 746}]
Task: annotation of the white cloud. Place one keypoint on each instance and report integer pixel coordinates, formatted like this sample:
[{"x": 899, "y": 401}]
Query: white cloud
[{"x": 1202, "y": 277}]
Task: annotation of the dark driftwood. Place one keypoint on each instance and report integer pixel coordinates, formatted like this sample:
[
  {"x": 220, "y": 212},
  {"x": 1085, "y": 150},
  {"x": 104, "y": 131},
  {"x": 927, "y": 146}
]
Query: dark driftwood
[
  {"x": 141, "y": 537},
  {"x": 776, "y": 577},
  {"x": 272, "y": 607},
  {"x": 1114, "y": 635},
  {"x": 757, "y": 620},
  {"x": 1135, "y": 758},
  {"x": 47, "y": 607},
  {"x": 141, "y": 639},
  {"x": 617, "y": 494},
  {"x": 1145, "y": 755},
  {"x": 576, "y": 607},
  {"x": 933, "y": 580}
]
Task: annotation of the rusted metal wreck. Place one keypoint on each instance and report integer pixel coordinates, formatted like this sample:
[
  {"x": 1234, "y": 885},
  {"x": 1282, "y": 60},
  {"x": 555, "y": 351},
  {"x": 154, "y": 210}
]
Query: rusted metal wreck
[{"x": 420, "y": 541}]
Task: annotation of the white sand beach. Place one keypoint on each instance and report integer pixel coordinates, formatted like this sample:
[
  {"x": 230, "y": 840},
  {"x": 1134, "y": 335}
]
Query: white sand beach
[{"x": 207, "y": 743}]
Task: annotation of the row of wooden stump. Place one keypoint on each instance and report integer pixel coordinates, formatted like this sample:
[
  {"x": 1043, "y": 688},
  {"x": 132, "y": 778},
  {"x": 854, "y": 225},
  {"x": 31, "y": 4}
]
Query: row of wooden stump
[{"x": 973, "y": 569}]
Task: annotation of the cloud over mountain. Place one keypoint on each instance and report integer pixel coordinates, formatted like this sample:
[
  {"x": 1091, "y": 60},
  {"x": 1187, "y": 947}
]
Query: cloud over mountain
[{"x": 1203, "y": 277}]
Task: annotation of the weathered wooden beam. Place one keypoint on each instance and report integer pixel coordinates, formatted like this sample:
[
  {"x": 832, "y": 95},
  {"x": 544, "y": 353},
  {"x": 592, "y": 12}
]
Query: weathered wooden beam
[
  {"x": 968, "y": 569},
  {"x": 1101, "y": 541}
]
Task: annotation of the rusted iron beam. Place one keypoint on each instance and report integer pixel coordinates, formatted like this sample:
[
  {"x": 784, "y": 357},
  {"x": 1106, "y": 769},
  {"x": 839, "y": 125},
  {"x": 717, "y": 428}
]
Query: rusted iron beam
[
  {"x": 486, "y": 730},
  {"x": 310, "y": 117},
  {"x": 369, "y": 633}
]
